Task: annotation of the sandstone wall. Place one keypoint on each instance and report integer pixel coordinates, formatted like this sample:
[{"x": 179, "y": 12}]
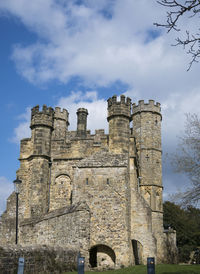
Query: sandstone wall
[
  {"x": 38, "y": 259},
  {"x": 8, "y": 222},
  {"x": 69, "y": 226},
  {"x": 101, "y": 193},
  {"x": 105, "y": 190}
]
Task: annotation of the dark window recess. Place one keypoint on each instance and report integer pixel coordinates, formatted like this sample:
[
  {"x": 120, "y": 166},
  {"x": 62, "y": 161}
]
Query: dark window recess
[
  {"x": 147, "y": 157},
  {"x": 135, "y": 252},
  {"x": 93, "y": 257},
  {"x": 108, "y": 182},
  {"x": 86, "y": 181},
  {"x": 71, "y": 198}
]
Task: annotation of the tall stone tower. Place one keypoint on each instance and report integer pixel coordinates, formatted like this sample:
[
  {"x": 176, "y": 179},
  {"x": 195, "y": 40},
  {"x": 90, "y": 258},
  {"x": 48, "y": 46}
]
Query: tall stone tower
[
  {"x": 42, "y": 127},
  {"x": 119, "y": 116},
  {"x": 147, "y": 130},
  {"x": 98, "y": 193}
]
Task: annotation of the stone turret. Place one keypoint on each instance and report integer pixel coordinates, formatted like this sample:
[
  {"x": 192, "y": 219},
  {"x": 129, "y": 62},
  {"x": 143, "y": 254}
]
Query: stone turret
[
  {"x": 119, "y": 116},
  {"x": 42, "y": 127},
  {"x": 147, "y": 131},
  {"x": 61, "y": 123},
  {"x": 82, "y": 114},
  {"x": 148, "y": 107}
]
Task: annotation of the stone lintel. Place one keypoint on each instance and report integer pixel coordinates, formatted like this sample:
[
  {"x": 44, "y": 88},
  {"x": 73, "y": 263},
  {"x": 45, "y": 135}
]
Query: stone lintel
[
  {"x": 35, "y": 156},
  {"x": 157, "y": 211},
  {"x": 119, "y": 115},
  {"x": 150, "y": 148},
  {"x": 41, "y": 125},
  {"x": 101, "y": 166},
  {"x": 25, "y": 139},
  {"x": 67, "y": 159},
  {"x": 151, "y": 185}
]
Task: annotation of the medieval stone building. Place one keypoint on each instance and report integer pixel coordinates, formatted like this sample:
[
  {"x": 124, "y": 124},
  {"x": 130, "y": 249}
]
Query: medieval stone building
[{"x": 99, "y": 193}]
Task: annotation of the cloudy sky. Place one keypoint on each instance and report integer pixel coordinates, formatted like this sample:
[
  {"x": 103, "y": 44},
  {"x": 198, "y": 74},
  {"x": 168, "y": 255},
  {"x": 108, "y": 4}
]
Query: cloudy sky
[{"x": 74, "y": 54}]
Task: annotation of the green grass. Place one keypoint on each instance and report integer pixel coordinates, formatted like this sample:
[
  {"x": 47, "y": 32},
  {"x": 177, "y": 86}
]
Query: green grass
[{"x": 160, "y": 269}]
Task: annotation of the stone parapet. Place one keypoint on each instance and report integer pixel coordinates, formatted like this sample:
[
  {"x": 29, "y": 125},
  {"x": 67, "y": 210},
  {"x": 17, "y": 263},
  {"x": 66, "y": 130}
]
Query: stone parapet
[
  {"x": 61, "y": 124},
  {"x": 146, "y": 107},
  {"x": 119, "y": 108},
  {"x": 61, "y": 114},
  {"x": 42, "y": 118}
]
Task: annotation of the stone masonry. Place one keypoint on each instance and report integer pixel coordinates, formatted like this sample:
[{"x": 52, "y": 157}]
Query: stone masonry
[{"x": 100, "y": 194}]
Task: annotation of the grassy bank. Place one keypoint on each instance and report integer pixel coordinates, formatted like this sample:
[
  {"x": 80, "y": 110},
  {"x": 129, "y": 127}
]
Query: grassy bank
[{"x": 160, "y": 269}]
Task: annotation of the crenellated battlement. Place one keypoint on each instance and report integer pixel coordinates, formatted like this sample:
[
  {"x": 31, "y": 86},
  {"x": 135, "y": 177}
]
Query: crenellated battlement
[
  {"x": 151, "y": 106},
  {"x": 119, "y": 108},
  {"x": 123, "y": 100},
  {"x": 43, "y": 117},
  {"x": 82, "y": 110},
  {"x": 45, "y": 110},
  {"x": 61, "y": 114}
]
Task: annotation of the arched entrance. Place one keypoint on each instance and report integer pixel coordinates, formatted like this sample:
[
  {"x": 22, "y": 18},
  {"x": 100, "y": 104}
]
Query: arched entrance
[
  {"x": 102, "y": 256},
  {"x": 137, "y": 251}
]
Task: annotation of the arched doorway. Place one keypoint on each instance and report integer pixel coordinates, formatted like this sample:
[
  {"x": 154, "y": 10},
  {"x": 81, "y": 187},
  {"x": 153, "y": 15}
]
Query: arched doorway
[
  {"x": 137, "y": 251},
  {"x": 102, "y": 256}
]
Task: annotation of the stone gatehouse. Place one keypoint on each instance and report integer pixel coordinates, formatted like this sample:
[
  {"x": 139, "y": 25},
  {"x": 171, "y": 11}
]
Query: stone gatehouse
[{"x": 99, "y": 193}]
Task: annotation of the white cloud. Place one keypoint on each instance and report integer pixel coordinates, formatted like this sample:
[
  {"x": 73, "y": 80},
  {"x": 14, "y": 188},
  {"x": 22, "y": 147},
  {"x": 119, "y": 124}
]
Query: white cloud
[
  {"x": 105, "y": 41},
  {"x": 174, "y": 109},
  {"x": 23, "y": 129},
  {"x": 81, "y": 40},
  {"x": 6, "y": 188}
]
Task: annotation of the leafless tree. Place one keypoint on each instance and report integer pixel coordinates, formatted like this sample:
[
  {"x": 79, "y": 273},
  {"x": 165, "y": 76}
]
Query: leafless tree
[
  {"x": 187, "y": 159},
  {"x": 175, "y": 10}
]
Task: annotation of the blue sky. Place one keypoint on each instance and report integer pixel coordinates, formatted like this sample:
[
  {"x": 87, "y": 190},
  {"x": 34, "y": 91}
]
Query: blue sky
[{"x": 77, "y": 54}]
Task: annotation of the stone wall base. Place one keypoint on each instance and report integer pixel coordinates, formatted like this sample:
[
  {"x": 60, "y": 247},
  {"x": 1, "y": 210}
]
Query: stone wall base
[{"x": 38, "y": 259}]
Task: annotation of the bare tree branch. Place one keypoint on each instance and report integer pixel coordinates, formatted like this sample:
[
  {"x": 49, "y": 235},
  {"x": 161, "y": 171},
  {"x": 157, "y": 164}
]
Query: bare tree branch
[
  {"x": 187, "y": 159},
  {"x": 178, "y": 9}
]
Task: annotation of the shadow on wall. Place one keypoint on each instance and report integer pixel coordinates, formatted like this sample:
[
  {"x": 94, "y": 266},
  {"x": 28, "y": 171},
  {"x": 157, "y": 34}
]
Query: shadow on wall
[
  {"x": 102, "y": 256},
  {"x": 137, "y": 251}
]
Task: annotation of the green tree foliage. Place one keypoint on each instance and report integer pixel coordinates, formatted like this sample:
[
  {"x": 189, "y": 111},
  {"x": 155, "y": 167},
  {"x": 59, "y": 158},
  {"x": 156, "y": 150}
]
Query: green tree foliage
[{"x": 186, "y": 222}]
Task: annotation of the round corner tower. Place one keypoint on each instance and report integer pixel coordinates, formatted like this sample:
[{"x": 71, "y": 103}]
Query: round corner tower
[
  {"x": 147, "y": 131},
  {"x": 119, "y": 116}
]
